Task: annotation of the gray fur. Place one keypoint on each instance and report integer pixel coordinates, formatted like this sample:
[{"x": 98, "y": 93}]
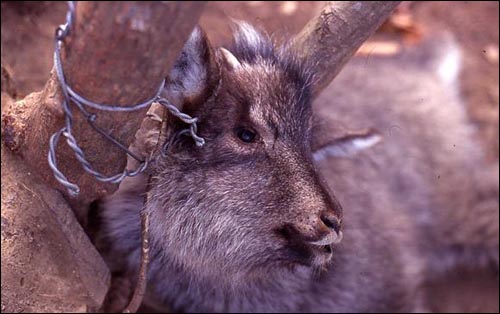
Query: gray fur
[{"x": 232, "y": 223}]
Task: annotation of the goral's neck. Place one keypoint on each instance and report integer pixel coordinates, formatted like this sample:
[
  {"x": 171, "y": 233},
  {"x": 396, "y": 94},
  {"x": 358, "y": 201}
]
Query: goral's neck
[{"x": 279, "y": 291}]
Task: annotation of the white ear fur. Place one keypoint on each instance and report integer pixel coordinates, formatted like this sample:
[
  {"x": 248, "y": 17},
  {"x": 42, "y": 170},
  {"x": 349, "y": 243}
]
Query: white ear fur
[
  {"x": 230, "y": 59},
  {"x": 348, "y": 145}
]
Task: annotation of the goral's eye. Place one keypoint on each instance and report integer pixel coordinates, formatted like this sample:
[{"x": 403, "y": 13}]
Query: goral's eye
[{"x": 246, "y": 135}]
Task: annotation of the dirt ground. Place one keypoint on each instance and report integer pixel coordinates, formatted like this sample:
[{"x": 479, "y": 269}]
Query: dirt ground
[{"x": 27, "y": 47}]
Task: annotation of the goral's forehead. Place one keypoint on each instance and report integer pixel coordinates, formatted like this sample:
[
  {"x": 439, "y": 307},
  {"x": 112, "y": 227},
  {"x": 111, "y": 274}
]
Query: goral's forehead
[
  {"x": 274, "y": 97},
  {"x": 266, "y": 82}
]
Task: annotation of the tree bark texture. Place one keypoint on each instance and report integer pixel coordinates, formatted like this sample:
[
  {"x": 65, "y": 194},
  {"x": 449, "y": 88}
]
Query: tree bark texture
[
  {"x": 330, "y": 40},
  {"x": 117, "y": 53},
  {"x": 48, "y": 263}
]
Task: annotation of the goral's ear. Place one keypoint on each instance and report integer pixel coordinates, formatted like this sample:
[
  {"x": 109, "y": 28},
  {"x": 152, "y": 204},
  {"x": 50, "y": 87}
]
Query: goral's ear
[
  {"x": 347, "y": 144},
  {"x": 195, "y": 74}
]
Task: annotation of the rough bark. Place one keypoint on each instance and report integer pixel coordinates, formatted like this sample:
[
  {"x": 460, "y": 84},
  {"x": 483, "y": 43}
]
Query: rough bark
[
  {"x": 117, "y": 53},
  {"x": 48, "y": 263},
  {"x": 328, "y": 41}
]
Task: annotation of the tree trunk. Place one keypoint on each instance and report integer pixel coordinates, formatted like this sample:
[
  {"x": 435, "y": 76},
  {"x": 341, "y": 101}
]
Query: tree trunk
[
  {"x": 49, "y": 264},
  {"x": 117, "y": 53},
  {"x": 329, "y": 41}
]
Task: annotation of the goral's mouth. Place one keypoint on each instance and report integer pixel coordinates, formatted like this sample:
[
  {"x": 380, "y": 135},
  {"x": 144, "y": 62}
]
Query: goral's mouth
[
  {"x": 330, "y": 239},
  {"x": 311, "y": 252},
  {"x": 323, "y": 249},
  {"x": 320, "y": 254},
  {"x": 315, "y": 254}
]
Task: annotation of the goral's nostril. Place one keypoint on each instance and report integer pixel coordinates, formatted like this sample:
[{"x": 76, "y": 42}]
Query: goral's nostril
[{"x": 331, "y": 221}]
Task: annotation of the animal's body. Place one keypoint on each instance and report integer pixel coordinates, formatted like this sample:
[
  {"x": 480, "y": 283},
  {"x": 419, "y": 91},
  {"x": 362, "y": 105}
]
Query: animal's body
[{"x": 285, "y": 208}]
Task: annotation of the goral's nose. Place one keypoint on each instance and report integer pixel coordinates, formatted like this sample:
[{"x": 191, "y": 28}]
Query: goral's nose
[
  {"x": 331, "y": 221},
  {"x": 323, "y": 228}
]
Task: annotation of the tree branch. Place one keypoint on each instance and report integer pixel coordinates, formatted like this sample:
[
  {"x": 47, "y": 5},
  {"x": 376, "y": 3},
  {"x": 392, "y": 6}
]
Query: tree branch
[{"x": 328, "y": 41}]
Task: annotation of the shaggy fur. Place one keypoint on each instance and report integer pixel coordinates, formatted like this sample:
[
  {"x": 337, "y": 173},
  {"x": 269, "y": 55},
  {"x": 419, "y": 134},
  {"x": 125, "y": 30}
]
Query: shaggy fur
[{"x": 232, "y": 222}]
